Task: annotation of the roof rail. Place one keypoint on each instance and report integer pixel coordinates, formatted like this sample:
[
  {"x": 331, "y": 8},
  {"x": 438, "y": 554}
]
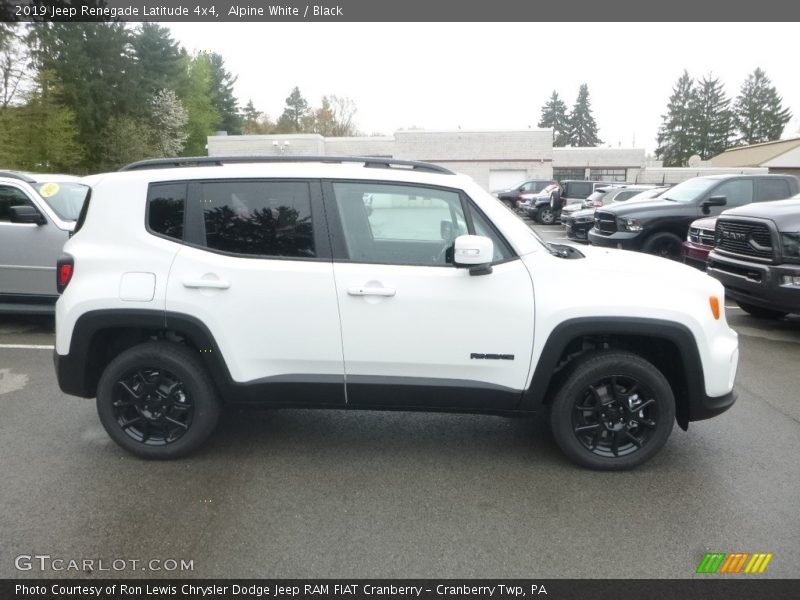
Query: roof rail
[
  {"x": 17, "y": 175},
  {"x": 216, "y": 161}
]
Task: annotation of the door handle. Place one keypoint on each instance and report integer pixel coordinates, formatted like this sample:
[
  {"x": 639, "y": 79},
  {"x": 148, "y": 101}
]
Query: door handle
[
  {"x": 217, "y": 284},
  {"x": 371, "y": 291}
]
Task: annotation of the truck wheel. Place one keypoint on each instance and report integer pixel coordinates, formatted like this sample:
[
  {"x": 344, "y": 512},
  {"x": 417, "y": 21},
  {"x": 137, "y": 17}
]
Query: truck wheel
[
  {"x": 761, "y": 313},
  {"x": 664, "y": 244},
  {"x": 157, "y": 401},
  {"x": 546, "y": 216},
  {"x": 614, "y": 411}
]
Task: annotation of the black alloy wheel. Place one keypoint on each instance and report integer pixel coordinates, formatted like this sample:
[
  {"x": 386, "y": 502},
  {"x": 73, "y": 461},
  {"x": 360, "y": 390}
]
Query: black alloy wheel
[
  {"x": 613, "y": 411},
  {"x": 665, "y": 245},
  {"x": 152, "y": 407},
  {"x": 157, "y": 400}
]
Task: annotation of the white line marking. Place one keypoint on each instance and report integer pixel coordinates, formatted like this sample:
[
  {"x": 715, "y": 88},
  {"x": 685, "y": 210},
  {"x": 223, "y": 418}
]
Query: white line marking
[{"x": 24, "y": 347}]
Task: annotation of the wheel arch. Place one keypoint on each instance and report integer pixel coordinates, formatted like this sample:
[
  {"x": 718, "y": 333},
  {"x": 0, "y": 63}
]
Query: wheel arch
[
  {"x": 99, "y": 336},
  {"x": 670, "y": 346}
]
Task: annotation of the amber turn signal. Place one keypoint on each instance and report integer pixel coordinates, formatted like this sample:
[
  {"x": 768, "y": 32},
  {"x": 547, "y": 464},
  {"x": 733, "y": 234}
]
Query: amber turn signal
[{"x": 714, "y": 302}]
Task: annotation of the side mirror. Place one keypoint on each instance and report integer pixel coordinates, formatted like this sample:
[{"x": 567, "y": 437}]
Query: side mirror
[
  {"x": 475, "y": 252},
  {"x": 713, "y": 201},
  {"x": 26, "y": 214}
]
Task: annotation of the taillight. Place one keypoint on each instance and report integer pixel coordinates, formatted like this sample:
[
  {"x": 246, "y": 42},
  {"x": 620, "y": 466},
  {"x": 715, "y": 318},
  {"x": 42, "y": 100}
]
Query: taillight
[
  {"x": 598, "y": 203},
  {"x": 64, "y": 270}
]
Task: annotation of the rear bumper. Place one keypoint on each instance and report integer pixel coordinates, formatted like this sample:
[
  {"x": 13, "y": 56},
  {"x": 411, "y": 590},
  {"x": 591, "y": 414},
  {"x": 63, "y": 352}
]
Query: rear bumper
[{"x": 71, "y": 375}]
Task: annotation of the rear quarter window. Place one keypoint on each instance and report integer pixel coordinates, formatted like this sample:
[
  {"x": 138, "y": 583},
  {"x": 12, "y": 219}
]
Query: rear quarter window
[
  {"x": 166, "y": 203},
  {"x": 772, "y": 189}
]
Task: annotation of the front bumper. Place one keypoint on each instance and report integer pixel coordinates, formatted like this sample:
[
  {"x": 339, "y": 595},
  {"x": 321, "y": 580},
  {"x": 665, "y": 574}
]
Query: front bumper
[
  {"x": 711, "y": 406},
  {"x": 626, "y": 240},
  {"x": 695, "y": 255},
  {"x": 578, "y": 231},
  {"x": 756, "y": 283}
]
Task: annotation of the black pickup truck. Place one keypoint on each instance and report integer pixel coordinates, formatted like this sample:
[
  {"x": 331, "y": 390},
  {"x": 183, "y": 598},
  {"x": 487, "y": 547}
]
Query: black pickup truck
[
  {"x": 757, "y": 257},
  {"x": 660, "y": 226}
]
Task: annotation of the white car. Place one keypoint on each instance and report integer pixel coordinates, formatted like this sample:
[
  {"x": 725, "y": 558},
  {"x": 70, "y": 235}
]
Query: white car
[{"x": 368, "y": 283}]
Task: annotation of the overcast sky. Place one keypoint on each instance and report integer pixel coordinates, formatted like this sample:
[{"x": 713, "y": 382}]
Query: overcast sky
[{"x": 496, "y": 75}]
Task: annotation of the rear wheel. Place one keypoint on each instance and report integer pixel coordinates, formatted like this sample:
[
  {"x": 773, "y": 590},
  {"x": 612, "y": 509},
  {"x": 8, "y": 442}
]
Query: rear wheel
[
  {"x": 664, "y": 244},
  {"x": 761, "y": 313},
  {"x": 614, "y": 411},
  {"x": 157, "y": 401}
]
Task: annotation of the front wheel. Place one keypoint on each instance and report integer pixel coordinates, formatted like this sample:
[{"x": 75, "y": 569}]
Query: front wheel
[
  {"x": 546, "y": 215},
  {"x": 761, "y": 313},
  {"x": 614, "y": 411},
  {"x": 664, "y": 244},
  {"x": 157, "y": 401}
]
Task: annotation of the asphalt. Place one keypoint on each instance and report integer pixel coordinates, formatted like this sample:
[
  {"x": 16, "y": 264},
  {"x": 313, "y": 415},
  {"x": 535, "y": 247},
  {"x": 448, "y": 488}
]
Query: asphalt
[{"x": 298, "y": 493}]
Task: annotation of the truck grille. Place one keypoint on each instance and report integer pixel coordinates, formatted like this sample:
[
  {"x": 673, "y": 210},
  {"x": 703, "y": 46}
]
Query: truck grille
[
  {"x": 605, "y": 223},
  {"x": 701, "y": 236},
  {"x": 744, "y": 238}
]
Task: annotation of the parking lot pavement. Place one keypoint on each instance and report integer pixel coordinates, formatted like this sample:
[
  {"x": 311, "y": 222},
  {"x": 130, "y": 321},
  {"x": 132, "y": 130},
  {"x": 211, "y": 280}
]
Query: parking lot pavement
[{"x": 296, "y": 493}]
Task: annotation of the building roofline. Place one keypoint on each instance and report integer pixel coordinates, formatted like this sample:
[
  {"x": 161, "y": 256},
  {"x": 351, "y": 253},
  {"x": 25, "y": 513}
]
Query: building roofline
[{"x": 759, "y": 145}]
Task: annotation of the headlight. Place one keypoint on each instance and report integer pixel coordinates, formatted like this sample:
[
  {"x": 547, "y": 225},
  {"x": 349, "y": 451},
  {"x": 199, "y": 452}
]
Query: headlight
[
  {"x": 790, "y": 242},
  {"x": 627, "y": 224}
]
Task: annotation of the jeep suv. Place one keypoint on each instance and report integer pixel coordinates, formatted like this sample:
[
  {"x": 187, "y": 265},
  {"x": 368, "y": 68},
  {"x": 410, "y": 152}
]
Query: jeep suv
[
  {"x": 269, "y": 282},
  {"x": 757, "y": 257},
  {"x": 659, "y": 227},
  {"x": 37, "y": 214}
]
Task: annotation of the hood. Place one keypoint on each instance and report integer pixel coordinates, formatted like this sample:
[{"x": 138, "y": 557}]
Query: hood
[
  {"x": 650, "y": 205},
  {"x": 638, "y": 265},
  {"x": 705, "y": 223},
  {"x": 785, "y": 213}
]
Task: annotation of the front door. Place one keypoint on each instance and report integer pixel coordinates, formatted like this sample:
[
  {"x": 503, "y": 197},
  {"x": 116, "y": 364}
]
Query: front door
[{"x": 417, "y": 331}]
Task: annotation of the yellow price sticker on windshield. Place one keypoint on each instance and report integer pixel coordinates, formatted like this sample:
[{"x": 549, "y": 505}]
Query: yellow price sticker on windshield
[{"x": 49, "y": 189}]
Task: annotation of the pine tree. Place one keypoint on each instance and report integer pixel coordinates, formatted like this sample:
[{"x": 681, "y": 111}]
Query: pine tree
[
  {"x": 582, "y": 127},
  {"x": 159, "y": 59},
  {"x": 676, "y": 133},
  {"x": 712, "y": 126},
  {"x": 222, "y": 95},
  {"x": 291, "y": 120},
  {"x": 554, "y": 115},
  {"x": 758, "y": 112}
]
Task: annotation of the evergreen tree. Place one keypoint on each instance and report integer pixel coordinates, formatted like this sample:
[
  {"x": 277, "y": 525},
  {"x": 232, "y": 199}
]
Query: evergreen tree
[
  {"x": 676, "y": 133},
  {"x": 159, "y": 59},
  {"x": 91, "y": 65},
  {"x": 222, "y": 96},
  {"x": 582, "y": 127},
  {"x": 255, "y": 122},
  {"x": 291, "y": 120},
  {"x": 554, "y": 115},
  {"x": 758, "y": 112},
  {"x": 712, "y": 126}
]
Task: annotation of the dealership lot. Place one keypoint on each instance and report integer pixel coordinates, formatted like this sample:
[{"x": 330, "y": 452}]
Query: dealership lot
[{"x": 294, "y": 493}]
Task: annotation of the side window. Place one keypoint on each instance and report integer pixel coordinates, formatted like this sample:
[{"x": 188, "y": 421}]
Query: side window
[
  {"x": 482, "y": 227},
  {"x": 771, "y": 189},
  {"x": 737, "y": 191},
  {"x": 11, "y": 196},
  {"x": 625, "y": 195},
  {"x": 258, "y": 218},
  {"x": 530, "y": 186},
  {"x": 165, "y": 208},
  {"x": 399, "y": 224}
]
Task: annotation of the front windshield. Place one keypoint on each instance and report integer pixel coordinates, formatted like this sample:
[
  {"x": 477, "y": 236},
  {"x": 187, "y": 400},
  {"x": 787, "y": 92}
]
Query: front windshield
[
  {"x": 689, "y": 190},
  {"x": 66, "y": 199}
]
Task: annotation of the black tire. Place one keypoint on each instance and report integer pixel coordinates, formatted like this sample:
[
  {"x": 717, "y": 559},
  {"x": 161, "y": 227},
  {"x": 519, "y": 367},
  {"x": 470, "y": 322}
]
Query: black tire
[
  {"x": 664, "y": 244},
  {"x": 596, "y": 437},
  {"x": 761, "y": 313},
  {"x": 157, "y": 401},
  {"x": 546, "y": 216}
]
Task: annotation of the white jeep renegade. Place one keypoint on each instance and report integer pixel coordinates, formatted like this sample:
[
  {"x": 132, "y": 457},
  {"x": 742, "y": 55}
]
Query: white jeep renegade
[{"x": 368, "y": 283}]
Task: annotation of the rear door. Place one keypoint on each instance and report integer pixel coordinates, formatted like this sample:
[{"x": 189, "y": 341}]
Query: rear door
[
  {"x": 416, "y": 330},
  {"x": 256, "y": 270}
]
